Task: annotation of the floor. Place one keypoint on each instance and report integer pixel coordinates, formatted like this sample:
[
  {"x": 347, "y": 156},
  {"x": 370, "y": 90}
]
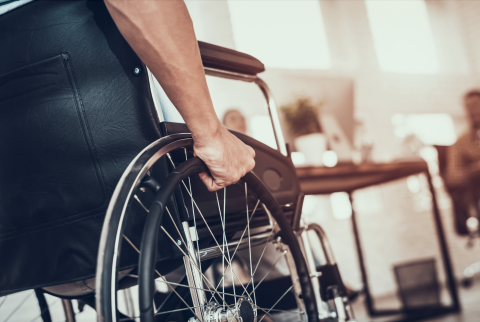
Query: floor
[
  {"x": 470, "y": 302},
  {"x": 28, "y": 310},
  {"x": 24, "y": 307}
]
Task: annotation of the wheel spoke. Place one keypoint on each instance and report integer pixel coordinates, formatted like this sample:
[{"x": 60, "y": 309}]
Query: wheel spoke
[
  {"x": 266, "y": 313},
  {"x": 141, "y": 203},
  {"x": 198, "y": 209},
  {"x": 188, "y": 250},
  {"x": 198, "y": 288},
  {"x": 193, "y": 214},
  {"x": 173, "y": 311},
  {"x": 238, "y": 244},
  {"x": 187, "y": 286},
  {"x": 282, "y": 311},
  {"x": 250, "y": 248},
  {"x": 263, "y": 252},
  {"x": 245, "y": 230},
  {"x": 160, "y": 313},
  {"x": 204, "y": 220},
  {"x": 158, "y": 273},
  {"x": 208, "y": 227},
  {"x": 222, "y": 220},
  {"x": 194, "y": 265},
  {"x": 271, "y": 268},
  {"x": 286, "y": 292},
  {"x": 228, "y": 250}
]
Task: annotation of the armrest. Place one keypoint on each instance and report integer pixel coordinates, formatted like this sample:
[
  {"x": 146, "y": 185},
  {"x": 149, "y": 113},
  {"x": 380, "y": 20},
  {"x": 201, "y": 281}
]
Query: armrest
[{"x": 226, "y": 59}]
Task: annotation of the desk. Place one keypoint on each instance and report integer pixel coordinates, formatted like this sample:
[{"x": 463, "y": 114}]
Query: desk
[{"x": 347, "y": 178}]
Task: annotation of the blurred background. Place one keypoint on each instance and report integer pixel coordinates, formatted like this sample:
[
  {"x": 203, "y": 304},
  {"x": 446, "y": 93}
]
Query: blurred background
[{"x": 383, "y": 83}]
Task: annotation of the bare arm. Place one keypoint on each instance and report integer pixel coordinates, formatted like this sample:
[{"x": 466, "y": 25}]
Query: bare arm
[{"x": 161, "y": 33}]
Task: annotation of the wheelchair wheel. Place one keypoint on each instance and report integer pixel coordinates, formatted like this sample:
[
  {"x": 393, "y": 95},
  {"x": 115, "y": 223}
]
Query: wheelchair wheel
[{"x": 193, "y": 228}]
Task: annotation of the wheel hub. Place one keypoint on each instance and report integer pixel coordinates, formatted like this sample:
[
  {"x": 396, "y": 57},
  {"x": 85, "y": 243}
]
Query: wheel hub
[{"x": 244, "y": 311}]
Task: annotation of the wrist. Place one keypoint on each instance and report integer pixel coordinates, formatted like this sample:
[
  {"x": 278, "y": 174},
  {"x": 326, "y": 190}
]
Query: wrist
[{"x": 206, "y": 133}]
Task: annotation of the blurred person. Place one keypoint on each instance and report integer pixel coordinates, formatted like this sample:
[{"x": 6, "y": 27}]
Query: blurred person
[
  {"x": 233, "y": 119},
  {"x": 463, "y": 165}
]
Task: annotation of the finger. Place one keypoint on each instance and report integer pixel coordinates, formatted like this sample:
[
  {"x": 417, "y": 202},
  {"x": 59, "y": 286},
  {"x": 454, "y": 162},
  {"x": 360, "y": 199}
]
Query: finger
[
  {"x": 252, "y": 151},
  {"x": 252, "y": 165},
  {"x": 209, "y": 182}
]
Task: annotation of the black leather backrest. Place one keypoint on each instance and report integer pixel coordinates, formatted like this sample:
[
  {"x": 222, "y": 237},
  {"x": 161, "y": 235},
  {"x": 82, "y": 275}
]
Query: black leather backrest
[{"x": 72, "y": 117}]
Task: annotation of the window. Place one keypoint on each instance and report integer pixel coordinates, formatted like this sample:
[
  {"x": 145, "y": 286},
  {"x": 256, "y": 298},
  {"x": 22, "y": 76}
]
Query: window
[
  {"x": 430, "y": 128},
  {"x": 282, "y": 34},
  {"x": 402, "y": 36}
]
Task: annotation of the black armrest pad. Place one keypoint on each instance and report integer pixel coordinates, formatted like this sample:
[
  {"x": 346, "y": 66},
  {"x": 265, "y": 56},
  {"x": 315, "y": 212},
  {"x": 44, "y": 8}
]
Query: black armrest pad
[{"x": 214, "y": 56}]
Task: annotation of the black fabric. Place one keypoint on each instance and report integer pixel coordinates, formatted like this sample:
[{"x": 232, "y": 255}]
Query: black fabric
[
  {"x": 72, "y": 117},
  {"x": 330, "y": 277}
]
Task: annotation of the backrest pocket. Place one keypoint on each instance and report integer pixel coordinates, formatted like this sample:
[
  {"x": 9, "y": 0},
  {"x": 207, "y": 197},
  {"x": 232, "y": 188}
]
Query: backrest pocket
[{"x": 49, "y": 173}]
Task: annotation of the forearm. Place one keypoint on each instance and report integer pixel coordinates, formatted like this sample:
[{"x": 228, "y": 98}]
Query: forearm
[{"x": 161, "y": 33}]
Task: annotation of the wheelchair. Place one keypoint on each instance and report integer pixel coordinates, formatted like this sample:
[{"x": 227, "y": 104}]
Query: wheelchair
[{"x": 167, "y": 235}]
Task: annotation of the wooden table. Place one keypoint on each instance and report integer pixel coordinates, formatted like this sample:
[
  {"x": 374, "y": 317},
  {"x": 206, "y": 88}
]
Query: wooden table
[{"x": 350, "y": 177}]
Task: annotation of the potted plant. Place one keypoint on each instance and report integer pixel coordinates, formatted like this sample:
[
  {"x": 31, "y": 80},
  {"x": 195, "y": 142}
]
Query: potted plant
[{"x": 301, "y": 118}]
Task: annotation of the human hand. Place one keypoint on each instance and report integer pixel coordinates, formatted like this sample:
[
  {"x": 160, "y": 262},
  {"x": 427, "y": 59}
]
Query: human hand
[{"x": 227, "y": 158}]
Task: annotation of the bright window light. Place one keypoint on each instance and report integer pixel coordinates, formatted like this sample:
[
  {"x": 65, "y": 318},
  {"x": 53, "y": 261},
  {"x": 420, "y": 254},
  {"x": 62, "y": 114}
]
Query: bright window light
[
  {"x": 341, "y": 207},
  {"x": 429, "y": 128},
  {"x": 282, "y": 34},
  {"x": 402, "y": 36},
  {"x": 310, "y": 205},
  {"x": 298, "y": 158},
  {"x": 329, "y": 158},
  {"x": 414, "y": 184},
  {"x": 433, "y": 129}
]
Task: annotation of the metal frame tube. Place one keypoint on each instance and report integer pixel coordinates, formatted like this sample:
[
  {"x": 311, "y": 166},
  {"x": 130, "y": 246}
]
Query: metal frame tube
[
  {"x": 68, "y": 309},
  {"x": 308, "y": 252},
  {"x": 327, "y": 250},
  {"x": 272, "y": 110}
]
